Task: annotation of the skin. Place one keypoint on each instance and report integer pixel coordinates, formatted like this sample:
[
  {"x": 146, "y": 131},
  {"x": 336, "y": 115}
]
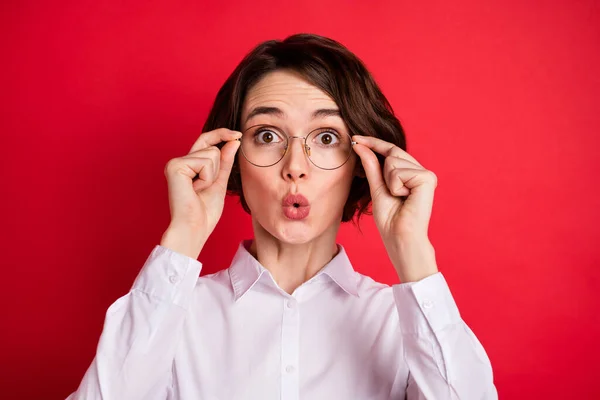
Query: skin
[{"x": 294, "y": 251}]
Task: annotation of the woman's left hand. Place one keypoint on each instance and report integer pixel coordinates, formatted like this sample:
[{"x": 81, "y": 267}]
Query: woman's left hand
[{"x": 402, "y": 224}]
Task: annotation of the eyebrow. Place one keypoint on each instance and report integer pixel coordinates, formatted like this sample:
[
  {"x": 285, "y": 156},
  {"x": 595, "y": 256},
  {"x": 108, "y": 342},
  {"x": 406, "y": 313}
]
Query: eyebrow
[{"x": 320, "y": 113}]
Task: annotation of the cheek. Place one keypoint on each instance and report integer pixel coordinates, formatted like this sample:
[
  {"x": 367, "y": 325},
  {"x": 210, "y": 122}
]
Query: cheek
[
  {"x": 348, "y": 173},
  {"x": 256, "y": 183},
  {"x": 338, "y": 188}
]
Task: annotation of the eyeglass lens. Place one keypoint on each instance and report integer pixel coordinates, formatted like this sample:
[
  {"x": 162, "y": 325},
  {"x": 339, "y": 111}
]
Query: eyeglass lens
[{"x": 265, "y": 145}]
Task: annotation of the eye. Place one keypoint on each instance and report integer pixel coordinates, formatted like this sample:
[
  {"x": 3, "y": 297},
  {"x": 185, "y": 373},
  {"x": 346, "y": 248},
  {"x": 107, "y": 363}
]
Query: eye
[
  {"x": 327, "y": 138},
  {"x": 266, "y": 136}
]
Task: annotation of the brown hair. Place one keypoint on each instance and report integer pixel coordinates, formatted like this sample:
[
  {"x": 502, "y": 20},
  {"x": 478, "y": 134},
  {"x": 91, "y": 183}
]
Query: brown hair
[{"x": 332, "y": 68}]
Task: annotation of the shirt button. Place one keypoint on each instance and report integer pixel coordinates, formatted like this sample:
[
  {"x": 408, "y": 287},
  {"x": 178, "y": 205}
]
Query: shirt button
[
  {"x": 428, "y": 304},
  {"x": 291, "y": 304},
  {"x": 173, "y": 278},
  {"x": 289, "y": 369}
]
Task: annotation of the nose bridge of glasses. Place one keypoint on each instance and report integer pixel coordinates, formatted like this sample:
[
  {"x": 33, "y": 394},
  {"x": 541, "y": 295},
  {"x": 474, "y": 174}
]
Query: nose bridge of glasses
[{"x": 306, "y": 146}]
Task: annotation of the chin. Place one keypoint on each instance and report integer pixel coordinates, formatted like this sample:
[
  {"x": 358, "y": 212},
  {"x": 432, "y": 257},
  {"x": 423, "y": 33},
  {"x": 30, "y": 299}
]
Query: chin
[
  {"x": 293, "y": 232},
  {"x": 288, "y": 231},
  {"x": 295, "y": 236}
]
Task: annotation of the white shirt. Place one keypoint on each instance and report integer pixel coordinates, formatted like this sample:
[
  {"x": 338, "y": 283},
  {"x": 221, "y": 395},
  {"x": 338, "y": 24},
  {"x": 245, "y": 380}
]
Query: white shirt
[{"x": 236, "y": 334}]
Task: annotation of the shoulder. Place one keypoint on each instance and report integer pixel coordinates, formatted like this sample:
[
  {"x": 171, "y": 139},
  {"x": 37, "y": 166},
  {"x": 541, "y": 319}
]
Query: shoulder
[
  {"x": 375, "y": 304},
  {"x": 374, "y": 293},
  {"x": 370, "y": 288}
]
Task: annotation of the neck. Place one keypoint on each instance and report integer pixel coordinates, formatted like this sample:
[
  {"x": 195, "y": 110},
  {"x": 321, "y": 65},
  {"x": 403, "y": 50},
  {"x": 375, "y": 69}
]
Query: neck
[{"x": 292, "y": 264}]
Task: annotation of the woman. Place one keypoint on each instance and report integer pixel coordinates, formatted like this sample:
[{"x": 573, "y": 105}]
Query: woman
[{"x": 301, "y": 132}]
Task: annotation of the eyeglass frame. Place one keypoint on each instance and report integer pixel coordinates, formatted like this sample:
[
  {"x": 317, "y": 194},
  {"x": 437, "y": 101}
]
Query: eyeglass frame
[{"x": 306, "y": 147}]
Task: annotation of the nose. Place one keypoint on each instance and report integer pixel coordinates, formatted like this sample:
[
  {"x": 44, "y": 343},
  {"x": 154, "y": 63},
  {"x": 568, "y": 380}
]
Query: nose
[{"x": 295, "y": 162}]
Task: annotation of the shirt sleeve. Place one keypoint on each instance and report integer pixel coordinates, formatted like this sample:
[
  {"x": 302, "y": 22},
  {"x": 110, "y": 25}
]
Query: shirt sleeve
[
  {"x": 141, "y": 331},
  {"x": 445, "y": 359}
]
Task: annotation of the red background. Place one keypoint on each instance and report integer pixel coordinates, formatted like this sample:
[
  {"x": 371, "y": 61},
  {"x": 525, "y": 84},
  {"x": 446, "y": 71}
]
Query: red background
[{"x": 500, "y": 101}]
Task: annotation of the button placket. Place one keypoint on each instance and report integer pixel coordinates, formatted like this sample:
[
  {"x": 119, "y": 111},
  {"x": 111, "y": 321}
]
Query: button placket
[{"x": 290, "y": 350}]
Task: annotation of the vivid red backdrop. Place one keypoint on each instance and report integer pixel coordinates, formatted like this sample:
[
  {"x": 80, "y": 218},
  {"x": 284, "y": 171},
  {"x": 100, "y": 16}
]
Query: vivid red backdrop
[{"x": 500, "y": 101}]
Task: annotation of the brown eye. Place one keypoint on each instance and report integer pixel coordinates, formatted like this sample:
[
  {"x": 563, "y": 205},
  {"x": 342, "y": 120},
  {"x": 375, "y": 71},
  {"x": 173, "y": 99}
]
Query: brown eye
[
  {"x": 267, "y": 137},
  {"x": 326, "y": 139}
]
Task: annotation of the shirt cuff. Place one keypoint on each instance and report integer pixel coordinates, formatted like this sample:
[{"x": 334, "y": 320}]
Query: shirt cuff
[
  {"x": 426, "y": 305},
  {"x": 168, "y": 275}
]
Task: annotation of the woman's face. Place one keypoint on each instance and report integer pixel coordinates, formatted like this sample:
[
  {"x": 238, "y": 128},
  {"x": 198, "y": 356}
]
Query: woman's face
[{"x": 291, "y": 103}]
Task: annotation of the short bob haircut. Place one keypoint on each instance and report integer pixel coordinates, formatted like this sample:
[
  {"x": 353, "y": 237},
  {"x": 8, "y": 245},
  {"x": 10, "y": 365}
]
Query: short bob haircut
[{"x": 329, "y": 66}]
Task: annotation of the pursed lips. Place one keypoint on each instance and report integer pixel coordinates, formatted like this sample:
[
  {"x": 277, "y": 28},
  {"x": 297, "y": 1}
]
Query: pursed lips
[{"x": 295, "y": 200}]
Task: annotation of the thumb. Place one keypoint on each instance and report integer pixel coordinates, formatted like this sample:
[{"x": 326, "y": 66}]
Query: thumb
[
  {"x": 228, "y": 152},
  {"x": 371, "y": 166}
]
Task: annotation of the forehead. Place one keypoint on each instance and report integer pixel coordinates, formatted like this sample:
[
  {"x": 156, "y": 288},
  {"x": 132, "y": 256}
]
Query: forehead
[{"x": 288, "y": 91}]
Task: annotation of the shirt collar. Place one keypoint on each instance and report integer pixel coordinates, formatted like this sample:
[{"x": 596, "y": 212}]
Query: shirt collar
[{"x": 245, "y": 271}]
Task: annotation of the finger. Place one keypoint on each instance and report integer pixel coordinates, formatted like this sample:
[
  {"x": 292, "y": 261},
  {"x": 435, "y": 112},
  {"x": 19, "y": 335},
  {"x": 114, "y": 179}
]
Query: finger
[
  {"x": 226, "y": 162},
  {"x": 206, "y": 172},
  {"x": 214, "y": 137},
  {"x": 372, "y": 169},
  {"x": 181, "y": 170},
  {"x": 211, "y": 152},
  {"x": 400, "y": 181},
  {"x": 384, "y": 148},
  {"x": 395, "y": 186},
  {"x": 209, "y": 175},
  {"x": 417, "y": 182},
  {"x": 205, "y": 177}
]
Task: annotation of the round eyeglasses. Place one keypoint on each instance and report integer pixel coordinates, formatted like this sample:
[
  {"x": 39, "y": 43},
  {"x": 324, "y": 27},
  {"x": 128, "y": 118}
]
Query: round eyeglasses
[{"x": 266, "y": 145}]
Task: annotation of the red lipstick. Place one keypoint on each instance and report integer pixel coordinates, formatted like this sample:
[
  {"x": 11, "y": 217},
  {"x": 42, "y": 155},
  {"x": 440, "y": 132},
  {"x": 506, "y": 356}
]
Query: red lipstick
[{"x": 295, "y": 206}]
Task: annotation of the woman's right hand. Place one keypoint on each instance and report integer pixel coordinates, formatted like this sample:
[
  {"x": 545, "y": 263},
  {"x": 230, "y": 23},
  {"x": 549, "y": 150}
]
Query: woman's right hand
[{"x": 197, "y": 204}]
